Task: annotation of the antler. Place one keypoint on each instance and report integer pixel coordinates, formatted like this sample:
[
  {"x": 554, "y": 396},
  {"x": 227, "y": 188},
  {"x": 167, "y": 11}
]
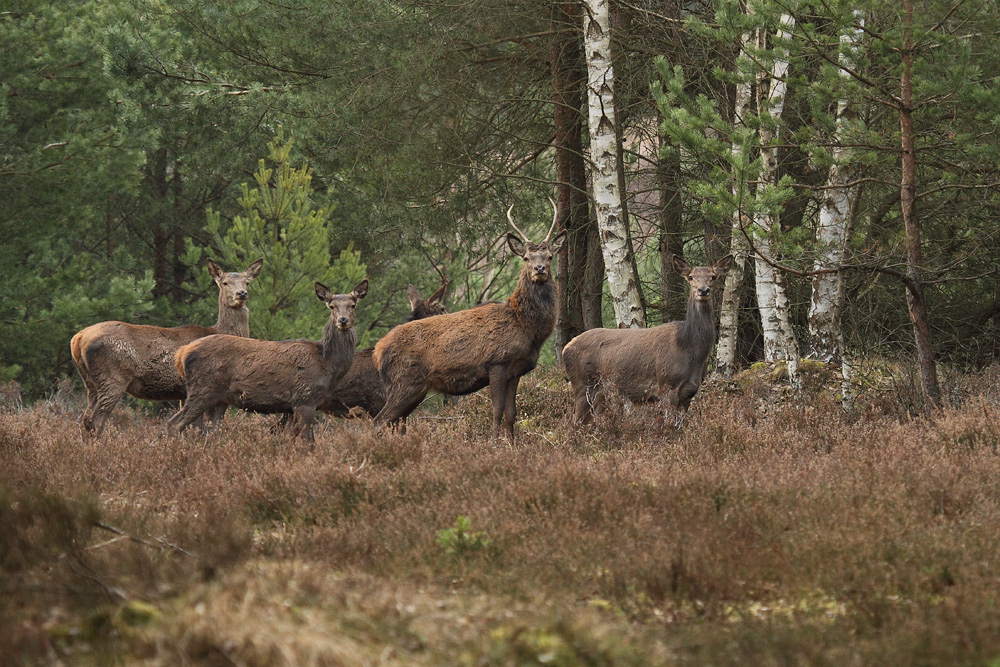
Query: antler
[
  {"x": 510, "y": 219},
  {"x": 555, "y": 216}
]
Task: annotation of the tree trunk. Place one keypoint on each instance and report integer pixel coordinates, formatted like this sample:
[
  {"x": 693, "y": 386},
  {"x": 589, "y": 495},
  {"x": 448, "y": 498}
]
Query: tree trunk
[
  {"x": 622, "y": 280},
  {"x": 593, "y": 296},
  {"x": 672, "y": 307},
  {"x": 826, "y": 305},
  {"x": 907, "y": 200},
  {"x": 725, "y": 358},
  {"x": 568, "y": 77},
  {"x": 161, "y": 235},
  {"x": 772, "y": 298},
  {"x": 178, "y": 269}
]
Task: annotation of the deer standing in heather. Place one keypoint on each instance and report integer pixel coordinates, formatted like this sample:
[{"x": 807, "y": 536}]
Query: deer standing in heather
[
  {"x": 361, "y": 388},
  {"x": 664, "y": 363},
  {"x": 115, "y": 358},
  {"x": 493, "y": 344},
  {"x": 270, "y": 376}
]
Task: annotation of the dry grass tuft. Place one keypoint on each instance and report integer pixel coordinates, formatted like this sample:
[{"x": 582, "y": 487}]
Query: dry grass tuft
[{"x": 773, "y": 528}]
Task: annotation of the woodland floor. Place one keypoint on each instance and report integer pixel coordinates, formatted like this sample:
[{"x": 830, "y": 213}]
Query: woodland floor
[{"x": 775, "y": 528}]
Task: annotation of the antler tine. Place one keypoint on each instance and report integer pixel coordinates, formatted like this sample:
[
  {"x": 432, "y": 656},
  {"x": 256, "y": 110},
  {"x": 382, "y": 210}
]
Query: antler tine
[
  {"x": 555, "y": 216},
  {"x": 510, "y": 219}
]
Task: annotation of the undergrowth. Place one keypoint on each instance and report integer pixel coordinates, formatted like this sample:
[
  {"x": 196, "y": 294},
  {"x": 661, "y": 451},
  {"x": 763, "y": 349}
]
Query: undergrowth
[{"x": 773, "y": 528}]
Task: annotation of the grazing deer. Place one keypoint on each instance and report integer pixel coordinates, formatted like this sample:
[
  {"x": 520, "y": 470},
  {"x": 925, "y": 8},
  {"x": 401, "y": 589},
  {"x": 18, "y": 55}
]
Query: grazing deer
[
  {"x": 270, "y": 376},
  {"x": 493, "y": 344},
  {"x": 664, "y": 363},
  {"x": 361, "y": 388},
  {"x": 115, "y": 358}
]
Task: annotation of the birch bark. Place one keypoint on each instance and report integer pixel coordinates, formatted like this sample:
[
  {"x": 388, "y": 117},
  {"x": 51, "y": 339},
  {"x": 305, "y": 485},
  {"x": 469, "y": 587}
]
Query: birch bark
[
  {"x": 725, "y": 356},
  {"x": 826, "y": 335},
  {"x": 772, "y": 298},
  {"x": 621, "y": 277}
]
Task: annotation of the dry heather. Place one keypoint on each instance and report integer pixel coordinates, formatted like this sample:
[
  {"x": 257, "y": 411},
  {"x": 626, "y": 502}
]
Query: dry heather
[{"x": 774, "y": 529}]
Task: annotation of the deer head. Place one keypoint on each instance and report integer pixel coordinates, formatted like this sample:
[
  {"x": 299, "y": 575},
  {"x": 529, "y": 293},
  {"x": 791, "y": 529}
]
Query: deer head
[
  {"x": 233, "y": 286},
  {"x": 700, "y": 279},
  {"x": 537, "y": 256},
  {"x": 428, "y": 307},
  {"x": 342, "y": 305}
]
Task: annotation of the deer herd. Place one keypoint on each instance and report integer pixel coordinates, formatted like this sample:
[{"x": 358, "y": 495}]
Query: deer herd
[{"x": 491, "y": 345}]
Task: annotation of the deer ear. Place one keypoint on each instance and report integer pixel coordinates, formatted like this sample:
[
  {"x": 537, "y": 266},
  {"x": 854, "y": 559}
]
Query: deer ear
[
  {"x": 413, "y": 295},
  {"x": 724, "y": 264},
  {"x": 680, "y": 266},
  {"x": 438, "y": 294},
  {"x": 557, "y": 243},
  {"x": 323, "y": 292},
  {"x": 516, "y": 244},
  {"x": 254, "y": 269},
  {"x": 360, "y": 290},
  {"x": 215, "y": 270}
]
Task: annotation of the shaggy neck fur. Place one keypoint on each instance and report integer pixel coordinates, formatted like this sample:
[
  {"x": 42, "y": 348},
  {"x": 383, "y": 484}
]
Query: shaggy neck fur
[
  {"x": 337, "y": 344},
  {"x": 233, "y": 321},
  {"x": 697, "y": 331},
  {"x": 534, "y": 305}
]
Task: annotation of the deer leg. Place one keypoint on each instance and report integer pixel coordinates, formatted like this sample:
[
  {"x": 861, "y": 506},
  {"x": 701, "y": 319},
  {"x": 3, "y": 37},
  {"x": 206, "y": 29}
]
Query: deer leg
[
  {"x": 304, "y": 416},
  {"x": 282, "y": 423},
  {"x": 193, "y": 408},
  {"x": 510, "y": 407},
  {"x": 498, "y": 392},
  {"x": 597, "y": 398},
  {"x": 92, "y": 393},
  {"x": 684, "y": 395},
  {"x": 215, "y": 414},
  {"x": 107, "y": 397},
  {"x": 399, "y": 403},
  {"x": 585, "y": 397}
]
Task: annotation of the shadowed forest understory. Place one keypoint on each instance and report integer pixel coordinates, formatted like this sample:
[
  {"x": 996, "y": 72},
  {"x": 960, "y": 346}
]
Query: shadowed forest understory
[{"x": 775, "y": 528}]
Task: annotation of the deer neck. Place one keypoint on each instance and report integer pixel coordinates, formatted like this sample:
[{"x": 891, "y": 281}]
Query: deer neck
[
  {"x": 697, "y": 331},
  {"x": 534, "y": 305},
  {"x": 337, "y": 344},
  {"x": 233, "y": 321}
]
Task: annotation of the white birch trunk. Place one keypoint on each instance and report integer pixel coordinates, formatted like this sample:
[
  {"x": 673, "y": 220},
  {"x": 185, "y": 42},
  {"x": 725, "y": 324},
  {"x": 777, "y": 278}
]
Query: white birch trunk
[
  {"x": 622, "y": 280},
  {"x": 772, "y": 298},
  {"x": 826, "y": 304},
  {"x": 725, "y": 355}
]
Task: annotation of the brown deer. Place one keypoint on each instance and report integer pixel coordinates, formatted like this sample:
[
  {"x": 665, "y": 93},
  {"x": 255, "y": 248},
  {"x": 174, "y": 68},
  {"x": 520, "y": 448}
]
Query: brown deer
[
  {"x": 270, "y": 376},
  {"x": 493, "y": 344},
  {"x": 361, "y": 388},
  {"x": 664, "y": 363},
  {"x": 115, "y": 358}
]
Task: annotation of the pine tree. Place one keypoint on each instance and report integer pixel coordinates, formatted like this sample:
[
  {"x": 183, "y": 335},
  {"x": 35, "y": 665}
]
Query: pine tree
[{"x": 283, "y": 220}]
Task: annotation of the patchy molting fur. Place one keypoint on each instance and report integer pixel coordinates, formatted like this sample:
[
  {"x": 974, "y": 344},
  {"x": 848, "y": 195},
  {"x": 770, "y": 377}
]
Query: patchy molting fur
[
  {"x": 270, "y": 376},
  {"x": 115, "y": 358},
  {"x": 459, "y": 353},
  {"x": 361, "y": 387},
  {"x": 664, "y": 363}
]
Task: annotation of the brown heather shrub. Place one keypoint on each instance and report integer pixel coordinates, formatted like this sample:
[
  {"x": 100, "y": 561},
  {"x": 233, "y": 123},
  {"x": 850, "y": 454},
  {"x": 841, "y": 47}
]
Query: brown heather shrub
[{"x": 774, "y": 528}]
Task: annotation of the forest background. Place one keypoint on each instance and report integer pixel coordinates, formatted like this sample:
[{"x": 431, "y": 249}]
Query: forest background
[{"x": 847, "y": 151}]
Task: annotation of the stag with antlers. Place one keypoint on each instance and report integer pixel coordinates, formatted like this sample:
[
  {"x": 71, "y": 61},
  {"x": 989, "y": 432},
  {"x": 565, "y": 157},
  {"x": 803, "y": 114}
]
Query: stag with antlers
[{"x": 491, "y": 345}]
